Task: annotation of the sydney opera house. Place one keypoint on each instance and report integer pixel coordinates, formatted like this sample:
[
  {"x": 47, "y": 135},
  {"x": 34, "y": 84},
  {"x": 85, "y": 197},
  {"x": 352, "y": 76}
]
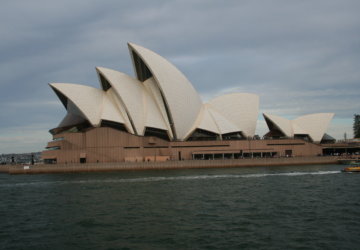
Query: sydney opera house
[{"x": 158, "y": 116}]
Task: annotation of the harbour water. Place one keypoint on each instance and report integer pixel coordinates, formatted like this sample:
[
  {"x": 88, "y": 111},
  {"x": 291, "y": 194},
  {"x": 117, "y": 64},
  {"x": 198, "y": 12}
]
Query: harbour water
[{"x": 295, "y": 207}]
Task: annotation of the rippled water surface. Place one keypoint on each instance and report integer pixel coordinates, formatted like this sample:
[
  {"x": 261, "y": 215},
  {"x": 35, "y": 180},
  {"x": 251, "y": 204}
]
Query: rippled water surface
[{"x": 307, "y": 207}]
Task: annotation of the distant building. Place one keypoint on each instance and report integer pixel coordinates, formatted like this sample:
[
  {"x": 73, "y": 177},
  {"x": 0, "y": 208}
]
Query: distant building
[
  {"x": 20, "y": 158},
  {"x": 159, "y": 116}
]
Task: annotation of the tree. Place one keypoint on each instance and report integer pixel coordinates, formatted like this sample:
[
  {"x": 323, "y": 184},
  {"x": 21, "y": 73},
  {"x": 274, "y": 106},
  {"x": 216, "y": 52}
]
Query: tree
[{"x": 356, "y": 126}]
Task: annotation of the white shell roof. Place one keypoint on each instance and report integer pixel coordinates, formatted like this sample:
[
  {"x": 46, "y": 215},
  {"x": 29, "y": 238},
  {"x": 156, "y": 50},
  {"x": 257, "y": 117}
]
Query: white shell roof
[
  {"x": 114, "y": 99},
  {"x": 154, "y": 108},
  {"x": 212, "y": 120},
  {"x": 297, "y": 130},
  {"x": 282, "y": 123},
  {"x": 87, "y": 99},
  {"x": 110, "y": 111},
  {"x": 166, "y": 100},
  {"x": 131, "y": 94},
  {"x": 239, "y": 108},
  {"x": 206, "y": 121},
  {"x": 314, "y": 125},
  {"x": 140, "y": 101},
  {"x": 73, "y": 116},
  {"x": 181, "y": 99},
  {"x": 224, "y": 125}
]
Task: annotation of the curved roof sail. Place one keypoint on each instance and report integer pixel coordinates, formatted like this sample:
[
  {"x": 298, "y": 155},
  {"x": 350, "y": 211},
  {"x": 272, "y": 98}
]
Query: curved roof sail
[
  {"x": 111, "y": 112},
  {"x": 239, "y": 108},
  {"x": 315, "y": 124},
  {"x": 283, "y": 124},
  {"x": 207, "y": 122},
  {"x": 131, "y": 94},
  {"x": 73, "y": 116},
  {"x": 87, "y": 99},
  {"x": 181, "y": 100}
]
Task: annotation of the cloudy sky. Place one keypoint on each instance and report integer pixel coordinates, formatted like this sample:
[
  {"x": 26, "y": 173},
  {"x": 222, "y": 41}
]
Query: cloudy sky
[{"x": 300, "y": 57}]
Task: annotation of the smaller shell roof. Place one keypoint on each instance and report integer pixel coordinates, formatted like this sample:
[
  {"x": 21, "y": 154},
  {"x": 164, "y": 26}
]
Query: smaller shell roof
[
  {"x": 87, "y": 99},
  {"x": 223, "y": 124},
  {"x": 206, "y": 121},
  {"x": 239, "y": 108},
  {"x": 314, "y": 125},
  {"x": 297, "y": 130},
  {"x": 70, "y": 119},
  {"x": 283, "y": 124}
]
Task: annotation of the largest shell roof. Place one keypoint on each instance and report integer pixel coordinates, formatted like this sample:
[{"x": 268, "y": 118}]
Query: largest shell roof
[{"x": 159, "y": 97}]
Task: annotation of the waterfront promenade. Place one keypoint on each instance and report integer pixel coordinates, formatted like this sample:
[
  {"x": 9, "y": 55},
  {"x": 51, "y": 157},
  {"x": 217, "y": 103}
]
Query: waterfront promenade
[{"x": 121, "y": 166}]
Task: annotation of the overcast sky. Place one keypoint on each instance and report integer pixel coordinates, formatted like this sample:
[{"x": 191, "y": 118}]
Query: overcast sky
[{"x": 300, "y": 57}]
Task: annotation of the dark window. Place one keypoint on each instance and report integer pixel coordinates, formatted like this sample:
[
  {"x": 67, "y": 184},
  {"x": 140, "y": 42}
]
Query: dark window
[
  {"x": 114, "y": 125},
  {"x": 162, "y": 134},
  {"x": 288, "y": 152},
  {"x": 328, "y": 139},
  {"x": 302, "y": 137},
  {"x": 142, "y": 71},
  {"x": 233, "y": 136},
  {"x": 53, "y": 148},
  {"x": 50, "y": 161},
  {"x": 173, "y": 130},
  {"x": 71, "y": 129},
  {"x": 62, "y": 97},
  {"x": 283, "y": 144},
  {"x": 104, "y": 83},
  {"x": 203, "y": 135},
  {"x": 58, "y": 139}
]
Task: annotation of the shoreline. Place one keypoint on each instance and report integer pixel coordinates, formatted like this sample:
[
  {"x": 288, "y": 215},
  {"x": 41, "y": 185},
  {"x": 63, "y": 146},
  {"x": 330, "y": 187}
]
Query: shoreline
[{"x": 189, "y": 164}]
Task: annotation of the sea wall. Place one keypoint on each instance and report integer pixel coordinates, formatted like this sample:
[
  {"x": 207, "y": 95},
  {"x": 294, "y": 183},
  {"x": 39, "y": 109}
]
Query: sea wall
[
  {"x": 121, "y": 166},
  {"x": 4, "y": 168}
]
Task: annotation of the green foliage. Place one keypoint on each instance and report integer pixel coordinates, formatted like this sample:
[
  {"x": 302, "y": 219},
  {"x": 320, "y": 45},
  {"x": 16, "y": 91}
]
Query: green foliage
[{"x": 356, "y": 126}]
